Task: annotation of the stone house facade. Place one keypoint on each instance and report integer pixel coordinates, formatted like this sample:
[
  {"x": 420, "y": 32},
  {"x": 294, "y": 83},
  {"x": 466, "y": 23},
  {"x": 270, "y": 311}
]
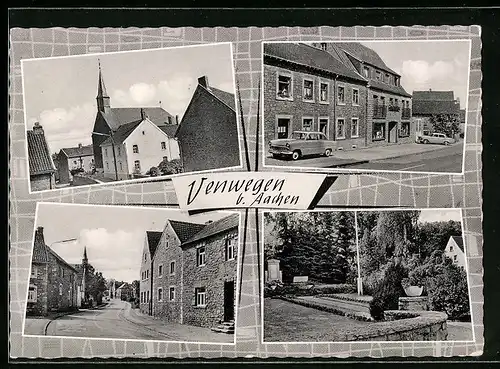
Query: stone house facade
[
  {"x": 147, "y": 267},
  {"x": 194, "y": 272},
  {"x": 208, "y": 133},
  {"x": 343, "y": 90},
  {"x": 455, "y": 250},
  {"x": 52, "y": 285},
  {"x": 70, "y": 158},
  {"x": 41, "y": 166}
]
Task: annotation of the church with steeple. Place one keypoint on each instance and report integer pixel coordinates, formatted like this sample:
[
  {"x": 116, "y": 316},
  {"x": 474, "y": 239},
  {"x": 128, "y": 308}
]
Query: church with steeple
[
  {"x": 84, "y": 271},
  {"x": 128, "y": 141}
]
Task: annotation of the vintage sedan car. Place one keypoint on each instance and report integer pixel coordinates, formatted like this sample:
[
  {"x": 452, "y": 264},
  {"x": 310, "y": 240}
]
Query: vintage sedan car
[
  {"x": 436, "y": 138},
  {"x": 302, "y": 143}
]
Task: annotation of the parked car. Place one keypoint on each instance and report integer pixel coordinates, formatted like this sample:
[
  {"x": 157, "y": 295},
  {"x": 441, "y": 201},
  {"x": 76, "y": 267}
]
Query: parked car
[
  {"x": 302, "y": 143},
  {"x": 436, "y": 138}
]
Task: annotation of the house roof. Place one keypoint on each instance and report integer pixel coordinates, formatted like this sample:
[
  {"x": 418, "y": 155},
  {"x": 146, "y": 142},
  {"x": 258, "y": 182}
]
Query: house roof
[
  {"x": 116, "y": 117},
  {"x": 365, "y": 54},
  {"x": 211, "y": 229},
  {"x": 459, "y": 241},
  {"x": 226, "y": 97},
  {"x": 169, "y": 129},
  {"x": 433, "y": 95},
  {"x": 422, "y": 107},
  {"x": 389, "y": 88},
  {"x": 122, "y": 133},
  {"x": 73, "y": 152},
  {"x": 61, "y": 260},
  {"x": 40, "y": 161},
  {"x": 185, "y": 230},
  {"x": 39, "y": 248},
  {"x": 310, "y": 56},
  {"x": 153, "y": 240}
]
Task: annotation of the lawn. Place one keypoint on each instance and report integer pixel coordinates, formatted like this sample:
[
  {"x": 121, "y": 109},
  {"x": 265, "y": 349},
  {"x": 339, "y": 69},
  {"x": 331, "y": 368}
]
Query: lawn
[{"x": 288, "y": 322}]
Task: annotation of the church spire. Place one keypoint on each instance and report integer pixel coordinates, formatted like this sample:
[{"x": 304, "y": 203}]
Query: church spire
[
  {"x": 103, "y": 102},
  {"x": 85, "y": 259}
]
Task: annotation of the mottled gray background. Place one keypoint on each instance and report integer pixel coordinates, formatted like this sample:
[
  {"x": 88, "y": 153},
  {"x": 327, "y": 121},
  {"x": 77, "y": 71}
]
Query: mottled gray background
[{"x": 387, "y": 189}]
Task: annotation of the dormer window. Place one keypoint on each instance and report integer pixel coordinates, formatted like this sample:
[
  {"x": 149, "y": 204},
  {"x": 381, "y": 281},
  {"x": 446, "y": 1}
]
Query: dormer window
[
  {"x": 366, "y": 72},
  {"x": 378, "y": 76},
  {"x": 323, "y": 46}
]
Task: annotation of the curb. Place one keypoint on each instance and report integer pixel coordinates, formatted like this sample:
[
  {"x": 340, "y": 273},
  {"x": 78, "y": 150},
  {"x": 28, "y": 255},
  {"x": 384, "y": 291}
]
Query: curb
[{"x": 60, "y": 315}]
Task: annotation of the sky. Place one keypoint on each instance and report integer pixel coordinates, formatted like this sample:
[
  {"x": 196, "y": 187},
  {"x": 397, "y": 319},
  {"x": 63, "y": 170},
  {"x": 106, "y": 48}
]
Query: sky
[
  {"x": 60, "y": 93},
  {"x": 424, "y": 65},
  {"x": 114, "y": 235},
  {"x": 432, "y": 215}
]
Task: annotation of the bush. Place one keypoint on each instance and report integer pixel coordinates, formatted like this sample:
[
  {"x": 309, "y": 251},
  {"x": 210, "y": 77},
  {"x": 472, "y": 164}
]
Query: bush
[
  {"x": 389, "y": 290},
  {"x": 76, "y": 171},
  {"x": 305, "y": 289},
  {"x": 170, "y": 167},
  {"x": 153, "y": 172}
]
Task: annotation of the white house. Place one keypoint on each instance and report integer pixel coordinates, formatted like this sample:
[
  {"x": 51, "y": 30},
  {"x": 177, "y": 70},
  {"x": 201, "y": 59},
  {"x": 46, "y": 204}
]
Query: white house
[
  {"x": 137, "y": 147},
  {"x": 455, "y": 250}
]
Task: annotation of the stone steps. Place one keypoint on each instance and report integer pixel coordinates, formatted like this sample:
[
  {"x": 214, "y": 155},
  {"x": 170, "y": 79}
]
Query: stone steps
[{"x": 225, "y": 327}]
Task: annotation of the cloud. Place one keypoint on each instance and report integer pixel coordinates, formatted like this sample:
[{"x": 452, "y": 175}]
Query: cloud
[
  {"x": 116, "y": 254},
  {"x": 428, "y": 215},
  {"x": 421, "y": 72}
]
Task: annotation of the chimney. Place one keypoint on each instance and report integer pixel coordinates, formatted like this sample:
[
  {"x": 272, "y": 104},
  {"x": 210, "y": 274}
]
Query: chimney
[
  {"x": 39, "y": 236},
  {"x": 143, "y": 114},
  {"x": 37, "y": 128},
  {"x": 177, "y": 119},
  {"x": 79, "y": 145},
  {"x": 430, "y": 89},
  {"x": 203, "y": 81}
]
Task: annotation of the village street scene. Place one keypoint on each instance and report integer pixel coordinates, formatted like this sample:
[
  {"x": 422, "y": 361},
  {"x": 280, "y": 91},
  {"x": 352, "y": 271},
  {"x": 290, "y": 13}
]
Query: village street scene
[
  {"x": 134, "y": 115},
  {"x": 396, "y": 106},
  {"x": 341, "y": 276},
  {"x": 115, "y": 272}
]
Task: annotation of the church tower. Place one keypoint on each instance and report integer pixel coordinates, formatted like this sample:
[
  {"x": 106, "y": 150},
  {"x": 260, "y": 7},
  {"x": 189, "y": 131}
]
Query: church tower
[
  {"x": 103, "y": 101},
  {"x": 85, "y": 262}
]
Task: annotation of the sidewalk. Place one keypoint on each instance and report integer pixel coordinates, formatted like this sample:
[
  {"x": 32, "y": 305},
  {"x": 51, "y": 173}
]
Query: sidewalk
[{"x": 175, "y": 331}]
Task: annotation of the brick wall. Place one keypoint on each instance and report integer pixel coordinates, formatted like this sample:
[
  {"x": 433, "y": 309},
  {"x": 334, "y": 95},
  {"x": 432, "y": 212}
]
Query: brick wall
[
  {"x": 211, "y": 276},
  {"x": 297, "y": 109},
  {"x": 208, "y": 135},
  {"x": 168, "y": 250},
  {"x": 39, "y": 280},
  {"x": 42, "y": 182},
  {"x": 61, "y": 286}
]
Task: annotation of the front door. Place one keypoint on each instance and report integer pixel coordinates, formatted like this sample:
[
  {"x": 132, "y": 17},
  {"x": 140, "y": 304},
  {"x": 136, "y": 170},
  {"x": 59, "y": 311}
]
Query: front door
[
  {"x": 323, "y": 126},
  {"x": 393, "y": 132},
  {"x": 283, "y": 127},
  {"x": 228, "y": 300}
]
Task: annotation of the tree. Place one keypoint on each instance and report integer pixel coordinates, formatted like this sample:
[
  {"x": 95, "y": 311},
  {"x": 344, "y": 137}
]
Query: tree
[
  {"x": 153, "y": 172},
  {"x": 433, "y": 236},
  {"x": 170, "y": 167},
  {"x": 136, "y": 286},
  {"x": 96, "y": 286},
  {"x": 446, "y": 123}
]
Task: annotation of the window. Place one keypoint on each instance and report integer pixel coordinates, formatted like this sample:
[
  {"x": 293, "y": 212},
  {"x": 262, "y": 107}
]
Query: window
[
  {"x": 147, "y": 296},
  {"x": 160, "y": 270},
  {"x": 32, "y": 292},
  {"x": 307, "y": 124},
  {"x": 341, "y": 94},
  {"x": 379, "y": 75},
  {"x": 200, "y": 256},
  {"x": 75, "y": 162},
  {"x": 165, "y": 158},
  {"x": 323, "y": 92},
  {"x": 163, "y": 145},
  {"x": 340, "y": 129},
  {"x": 284, "y": 88},
  {"x": 387, "y": 78},
  {"x": 172, "y": 267},
  {"x": 391, "y": 101},
  {"x": 378, "y": 131},
  {"x": 282, "y": 126},
  {"x": 119, "y": 149},
  {"x": 382, "y": 100},
  {"x": 405, "y": 129},
  {"x": 143, "y": 133},
  {"x": 145, "y": 256},
  {"x": 147, "y": 274},
  {"x": 323, "y": 125},
  {"x": 355, "y": 96},
  {"x": 229, "y": 249},
  {"x": 171, "y": 293},
  {"x": 323, "y": 46},
  {"x": 135, "y": 149},
  {"x": 137, "y": 165},
  {"x": 60, "y": 289},
  {"x": 105, "y": 152},
  {"x": 451, "y": 248},
  {"x": 34, "y": 271},
  {"x": 140, "y": 297},
  {"x": 455, "y": 258},
  {"x": 355, "y": 127},
  {"x": 366, "y": 72},
  {"x": 308, "y": 90},
  {"x": 107, "y": 165},
  {"x": 121, "y": 166},
  {"x": 200, "y": 296},
  {"x": 160, "y": 294},
  {"x": 396, "y": 81}
]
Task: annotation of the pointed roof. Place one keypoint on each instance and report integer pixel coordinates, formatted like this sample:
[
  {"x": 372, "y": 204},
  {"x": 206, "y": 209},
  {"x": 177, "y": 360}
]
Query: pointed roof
[
  {"x": 153, "y": 241},
  {"x": 432, "y": 95},
  {"x": 364, "y": 54},
  {"x": 211, "y": 229},
  {"x": 185, "y": 230},
  {"x": 459, "y": 241},
  {"x": 75, "y": 152},
  {"x": 224, "y": 96},
  {"x": 39, "y": 158},
  {"x": 85, "y": 252},
  {"x": 101, "y": 87},
  {"x": 121, "y": 133},
  {"x": 40, "y": 254},
  {"x": 169, "y": 129}
]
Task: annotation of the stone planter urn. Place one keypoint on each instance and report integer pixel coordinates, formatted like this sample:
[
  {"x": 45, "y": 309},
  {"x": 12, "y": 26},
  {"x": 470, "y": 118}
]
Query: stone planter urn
[{"x": 413, "y": 291}]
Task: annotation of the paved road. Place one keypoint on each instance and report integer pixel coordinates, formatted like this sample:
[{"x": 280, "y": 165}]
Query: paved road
[
  {"x": 109, "y": 322},
  {"x": 448, "y": 160}
]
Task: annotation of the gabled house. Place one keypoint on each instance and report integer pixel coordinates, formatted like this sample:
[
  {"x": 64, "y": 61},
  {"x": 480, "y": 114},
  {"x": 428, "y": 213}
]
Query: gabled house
[
  {"x": 108, "y": 120},
  {"x": 455, "y": 250},
  {"x": 53, "y": 282},
  {"x": 74, "y": 158},
  {"x": 208, "y": 132},
  {"x": 136, "y": 147},
  {"x": 429, "y": 103},
  {"x": 147, "y": 266},
  {"x": 124, "y": 292},
  {"x": 41, "y": 166}
]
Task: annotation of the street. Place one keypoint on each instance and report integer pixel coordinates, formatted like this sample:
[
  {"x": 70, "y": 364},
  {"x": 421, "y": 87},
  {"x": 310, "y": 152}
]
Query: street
[{"x": 446, "y": 160}]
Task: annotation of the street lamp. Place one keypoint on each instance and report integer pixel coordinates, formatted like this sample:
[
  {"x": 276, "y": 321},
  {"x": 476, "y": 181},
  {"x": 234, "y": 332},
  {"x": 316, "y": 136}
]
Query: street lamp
[
  {"x": 112, "y": 146},
  {"x": 360, "y": 281},
  {"x": 63, "y": 241}
]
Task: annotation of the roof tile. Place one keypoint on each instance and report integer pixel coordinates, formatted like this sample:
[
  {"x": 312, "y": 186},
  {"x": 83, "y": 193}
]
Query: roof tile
[
  {"x": 211, "y": 229},
  {"x": 73, "y": 152},
  {"x": 40, "y": 161},
  {"x": 153, "y": 241},
  {"x": 185, "y": 230}
]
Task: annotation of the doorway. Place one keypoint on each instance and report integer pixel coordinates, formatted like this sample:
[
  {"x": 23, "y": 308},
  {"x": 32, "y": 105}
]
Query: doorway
[
  {"x": 283, "y": 127},
  {"x": 393, "y": 132},
  {"x": 228, "y": 301}
]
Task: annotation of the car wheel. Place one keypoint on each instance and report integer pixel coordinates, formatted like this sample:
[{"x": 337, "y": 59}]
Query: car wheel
[
  {"x": 328, "y": 152},
  {"x": 296, "y": 155},
  {"x": 425, "y": 141},
  {"x": 446, "y": 143}
]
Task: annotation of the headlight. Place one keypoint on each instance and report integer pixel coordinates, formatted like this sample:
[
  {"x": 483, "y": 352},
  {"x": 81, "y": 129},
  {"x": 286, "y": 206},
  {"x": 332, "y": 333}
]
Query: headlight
[
  {"x": 269, "y": 143},
  {"x": 287, "y": 145}
]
